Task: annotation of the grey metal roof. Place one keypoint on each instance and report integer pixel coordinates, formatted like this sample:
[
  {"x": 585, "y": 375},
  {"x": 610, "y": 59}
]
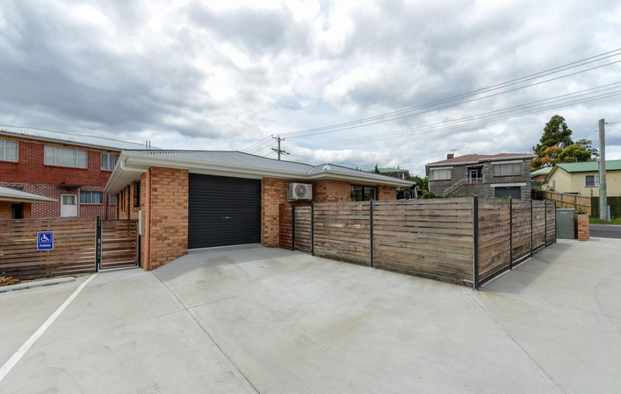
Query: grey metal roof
[
  {"x": 9, "y": 194},
  {"x": 77, "y": 139},
  {"x": 241, "y": 159}
]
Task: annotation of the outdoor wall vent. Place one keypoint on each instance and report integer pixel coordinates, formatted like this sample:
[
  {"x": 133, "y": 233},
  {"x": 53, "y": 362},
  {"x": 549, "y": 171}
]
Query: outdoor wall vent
[{"x": 300, "y": 191}]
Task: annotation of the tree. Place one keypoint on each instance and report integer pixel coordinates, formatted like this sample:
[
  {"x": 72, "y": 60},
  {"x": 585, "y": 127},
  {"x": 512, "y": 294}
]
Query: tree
[
  {"x": 580, "y": 151},
  {"x": 555, "y": 133},
  {"x": 376, "y": 170},
  {"x": 422, "y": 183}
]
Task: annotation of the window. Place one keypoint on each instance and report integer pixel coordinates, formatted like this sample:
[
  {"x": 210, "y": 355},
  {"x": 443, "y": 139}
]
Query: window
[
  {"x": 8, "y": 150},
  {"x": 363, "y": 193},
  {"x": 65, "y": 157},
  {"x": 440, "y": 174},
  {"x": 91, "y": 197},
  {"x": 112, "y": 199},
  {"x": 512, "y": 169},
  {"x": 591, "y": 181},
  {"x": 108, "y": 161},
  {"x": 137, "y": 196}
]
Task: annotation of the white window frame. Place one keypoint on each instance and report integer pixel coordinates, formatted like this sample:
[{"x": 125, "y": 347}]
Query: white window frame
[
  {"x": 595, "y": 181},
  {"x": 47, "y": 160},
  {"x": 107, "y": 161},
  {"x": 110, "y": 196},
  {"x": 86, "y": 193},
  {"x": 433, "y": 178},
  {"x": 3, "y": 149}
]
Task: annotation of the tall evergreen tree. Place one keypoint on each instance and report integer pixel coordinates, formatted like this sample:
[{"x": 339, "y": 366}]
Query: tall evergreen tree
[{"x": 555, "y": 133}]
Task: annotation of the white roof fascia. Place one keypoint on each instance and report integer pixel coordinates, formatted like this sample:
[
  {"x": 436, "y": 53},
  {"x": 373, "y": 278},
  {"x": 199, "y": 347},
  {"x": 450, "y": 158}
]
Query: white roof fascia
[
  {"x": 130, "y": 165},
  {"x": 19, "y": 196}
]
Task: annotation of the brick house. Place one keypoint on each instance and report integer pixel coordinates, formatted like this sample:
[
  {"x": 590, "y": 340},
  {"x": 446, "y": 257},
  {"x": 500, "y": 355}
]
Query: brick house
[
  {"x": 200, "y": 199},
  {"x": 72, "y": 169},
  {"x": 16, "y": 204},
  {"x": 503, "y": 174}
]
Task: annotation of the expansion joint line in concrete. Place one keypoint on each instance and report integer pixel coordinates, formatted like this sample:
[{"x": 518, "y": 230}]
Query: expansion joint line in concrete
[
  {"x": 221, "y": 351},
  {"x": 491, "y": 316}
]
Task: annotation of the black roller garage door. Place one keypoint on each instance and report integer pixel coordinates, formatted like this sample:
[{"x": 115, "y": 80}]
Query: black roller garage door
[
  {"x": 223, "y": 211},
  {"x": 513, "y": 192}
]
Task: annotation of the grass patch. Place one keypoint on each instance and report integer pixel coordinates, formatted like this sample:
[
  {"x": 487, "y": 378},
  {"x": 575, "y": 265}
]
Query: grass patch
[{"x": 600, "y": 221}]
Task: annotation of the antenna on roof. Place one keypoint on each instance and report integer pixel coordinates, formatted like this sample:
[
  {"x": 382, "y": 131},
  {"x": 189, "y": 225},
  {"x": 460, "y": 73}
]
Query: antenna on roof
[{"x": 147, "y": 145}]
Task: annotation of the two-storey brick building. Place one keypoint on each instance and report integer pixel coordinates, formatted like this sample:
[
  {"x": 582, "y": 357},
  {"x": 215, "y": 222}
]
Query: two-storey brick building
[
  {"x": 500, "y": 175},
  {"x": 72, "y": 169}
]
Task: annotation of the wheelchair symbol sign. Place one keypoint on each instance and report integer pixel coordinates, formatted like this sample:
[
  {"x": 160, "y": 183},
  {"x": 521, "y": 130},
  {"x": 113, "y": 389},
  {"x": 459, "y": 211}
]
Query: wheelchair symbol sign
[{"x": 45, "y": 240}]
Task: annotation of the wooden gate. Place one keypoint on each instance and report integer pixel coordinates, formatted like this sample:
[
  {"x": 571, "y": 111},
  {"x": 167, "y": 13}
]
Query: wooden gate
[{"x": 118, "y": 244}]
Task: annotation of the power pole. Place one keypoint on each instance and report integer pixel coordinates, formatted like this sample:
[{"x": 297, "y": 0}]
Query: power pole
[
  {"x": 603, "y": 203},
  {"x": 279, "y": 151}
]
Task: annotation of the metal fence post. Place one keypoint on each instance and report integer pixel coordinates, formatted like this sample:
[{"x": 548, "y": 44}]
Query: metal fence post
[
  {"x": 312, "y": 228},
  {"x": 475, "y": 241},
  {"x": 545, "y": 221},
  {"x": 371, "y": 233},
  {"x": 510, "y": 233},
  {"x": 97, "y": 243},
  {"x": 292, "y": 226},
  {"x": 531, "y": 228}
]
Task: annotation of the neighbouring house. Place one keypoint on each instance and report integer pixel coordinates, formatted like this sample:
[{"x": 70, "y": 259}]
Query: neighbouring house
[
  {"x": 201, "y": 199},
  {"x": 540, "y": 175},
  {"x": 500, "y": 175},
  {"x": 583, "y": 178},
  {"x": 72, "y": 169},
  {"x": 398, "y": 173},
  {"x": 16, "y": 204}
]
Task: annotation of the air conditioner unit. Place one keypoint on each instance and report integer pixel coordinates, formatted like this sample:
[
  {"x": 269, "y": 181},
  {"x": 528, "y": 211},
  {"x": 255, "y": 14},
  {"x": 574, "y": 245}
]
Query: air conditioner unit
[{"x": 300, "y": 191}]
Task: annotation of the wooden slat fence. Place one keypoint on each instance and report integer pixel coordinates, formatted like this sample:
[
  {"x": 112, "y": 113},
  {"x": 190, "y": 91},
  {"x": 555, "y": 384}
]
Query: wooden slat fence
[
  {"x": 342, "y": 232},
  {"x": 428, "y": 238},
  {"x": 74, "y": 247},
  {"x": 119, "y": 240},
  {"x": 564, "y": 200}
]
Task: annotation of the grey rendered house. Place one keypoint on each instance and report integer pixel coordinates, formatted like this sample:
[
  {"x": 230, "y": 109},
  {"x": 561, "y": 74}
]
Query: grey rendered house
[{"x": 503, "y": 174}]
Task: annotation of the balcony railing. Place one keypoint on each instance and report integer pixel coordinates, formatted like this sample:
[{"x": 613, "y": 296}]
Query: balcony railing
[{"x": 475, "y": 180}]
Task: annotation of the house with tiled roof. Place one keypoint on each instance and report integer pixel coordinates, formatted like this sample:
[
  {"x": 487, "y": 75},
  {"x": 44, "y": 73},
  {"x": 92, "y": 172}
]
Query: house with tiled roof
[
  {"x": 583, "y": 178},
  {"x": 499, "y": 175}
]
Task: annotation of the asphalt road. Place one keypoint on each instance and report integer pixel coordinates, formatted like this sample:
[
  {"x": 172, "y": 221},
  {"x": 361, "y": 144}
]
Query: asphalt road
[{"x": 605, "y": 230}]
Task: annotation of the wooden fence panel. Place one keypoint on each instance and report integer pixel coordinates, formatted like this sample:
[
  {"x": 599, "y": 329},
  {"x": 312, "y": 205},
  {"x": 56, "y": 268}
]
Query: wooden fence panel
[
  {"x": 119, "y": 243},
  {"x": 613, "y": 201},
  {"x": 494, "y": 237},
  {"x": 342, "y": 232},
  {"x": 570, "y": 201},
  {"x": 550, "y": 223},
  {"x": 539, "y": 224},
  {"x": 73, "y": 253},
  {"x": 521, "y": 229},
  {"x": 303, "y": 228},
  {"x": 429, "y": 238}
]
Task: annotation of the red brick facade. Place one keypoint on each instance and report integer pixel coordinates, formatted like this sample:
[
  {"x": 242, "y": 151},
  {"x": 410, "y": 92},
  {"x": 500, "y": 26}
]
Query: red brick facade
[
  {"x": 32, "y": 175},
  {"x": 582, "y": 227}
]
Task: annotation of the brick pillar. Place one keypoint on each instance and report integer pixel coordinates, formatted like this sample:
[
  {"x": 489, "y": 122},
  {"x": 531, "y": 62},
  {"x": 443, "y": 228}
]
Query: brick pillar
[
  {"x": 167, "y": 211},
  {"x": 582, "y": 227}
]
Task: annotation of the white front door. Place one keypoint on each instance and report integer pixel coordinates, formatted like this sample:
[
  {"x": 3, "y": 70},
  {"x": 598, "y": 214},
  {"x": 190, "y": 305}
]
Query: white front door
[{"x": 68, "y": 205}]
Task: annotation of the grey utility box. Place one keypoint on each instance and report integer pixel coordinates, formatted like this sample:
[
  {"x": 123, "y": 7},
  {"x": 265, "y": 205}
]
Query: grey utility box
[{"x": 565, "y": 227}]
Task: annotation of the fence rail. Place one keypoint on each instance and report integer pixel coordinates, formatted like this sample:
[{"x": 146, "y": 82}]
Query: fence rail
[
  {"x": 564, "y": 200},
  {"x": 461, "y": 240},
  {"x": 119, "y": 241}
]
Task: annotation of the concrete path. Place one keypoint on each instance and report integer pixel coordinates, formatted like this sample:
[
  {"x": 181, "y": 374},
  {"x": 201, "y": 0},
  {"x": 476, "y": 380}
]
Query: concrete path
[{"x": 269, "y": 320}]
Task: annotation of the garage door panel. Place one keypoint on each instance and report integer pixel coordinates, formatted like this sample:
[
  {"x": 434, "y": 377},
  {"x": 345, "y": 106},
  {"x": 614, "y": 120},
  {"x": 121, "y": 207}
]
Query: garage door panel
[{"x": 223, "y": 211}]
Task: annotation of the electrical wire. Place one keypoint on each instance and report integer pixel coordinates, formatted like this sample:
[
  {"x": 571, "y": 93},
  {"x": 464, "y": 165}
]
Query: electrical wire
[{"x": 395, "y": 114}]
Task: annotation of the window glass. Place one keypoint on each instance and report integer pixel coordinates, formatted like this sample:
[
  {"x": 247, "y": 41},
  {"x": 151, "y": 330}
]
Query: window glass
[
  {"x": 57, "y": 156},
  {"x": 440, "y": 174},
  {"x": 68, "y": 200},
  {"x": 363, "y": 193},
  {"x": 91, "y": 197},
  {"x": 8, "y": 150},
  {"x": 108, "y": 161},
  {"x": 507, "y": 169},
  {"x": 112, "y": 199},
  {"x": 591, "y": 180}
]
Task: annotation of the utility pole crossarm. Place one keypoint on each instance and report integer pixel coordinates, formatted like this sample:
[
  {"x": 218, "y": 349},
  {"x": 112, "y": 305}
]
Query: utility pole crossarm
[{"x": 278, "y": 150}]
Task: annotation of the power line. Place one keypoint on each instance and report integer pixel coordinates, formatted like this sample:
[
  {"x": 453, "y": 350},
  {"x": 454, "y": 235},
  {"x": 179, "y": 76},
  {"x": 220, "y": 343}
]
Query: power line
[
  {"x": 396, "y": 114},
  {"x": 501, "y": 114}
]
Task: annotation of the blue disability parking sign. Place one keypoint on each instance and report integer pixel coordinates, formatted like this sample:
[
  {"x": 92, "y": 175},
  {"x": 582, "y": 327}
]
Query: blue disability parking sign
[{"x": 45, "y": 240}]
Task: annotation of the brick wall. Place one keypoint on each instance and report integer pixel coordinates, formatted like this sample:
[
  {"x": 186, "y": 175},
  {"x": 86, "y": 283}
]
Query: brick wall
[
  {"x": 386, "y": 193},
  {"x": 582, "y": 227},
  {"x": 168, "y": 216},
  {"x": 328, "y": 190},
  {"x": 5, "y": 210},
  {"x": 126, "y": 201},
  {"x": 52, "y": 209}
]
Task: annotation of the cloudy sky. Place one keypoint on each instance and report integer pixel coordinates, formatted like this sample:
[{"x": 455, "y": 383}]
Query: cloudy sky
[{"x": 227, "y": 75}]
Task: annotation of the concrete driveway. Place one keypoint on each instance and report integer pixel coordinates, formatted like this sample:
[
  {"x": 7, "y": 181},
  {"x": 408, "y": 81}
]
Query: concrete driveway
[{"x": 269, "y": 320}]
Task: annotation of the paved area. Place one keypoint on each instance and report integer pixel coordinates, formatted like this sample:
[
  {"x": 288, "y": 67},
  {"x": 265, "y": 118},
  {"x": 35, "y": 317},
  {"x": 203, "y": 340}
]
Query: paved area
[
  {"x": 268, "y": 320},
  {"x": 605, "y": 230}
]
